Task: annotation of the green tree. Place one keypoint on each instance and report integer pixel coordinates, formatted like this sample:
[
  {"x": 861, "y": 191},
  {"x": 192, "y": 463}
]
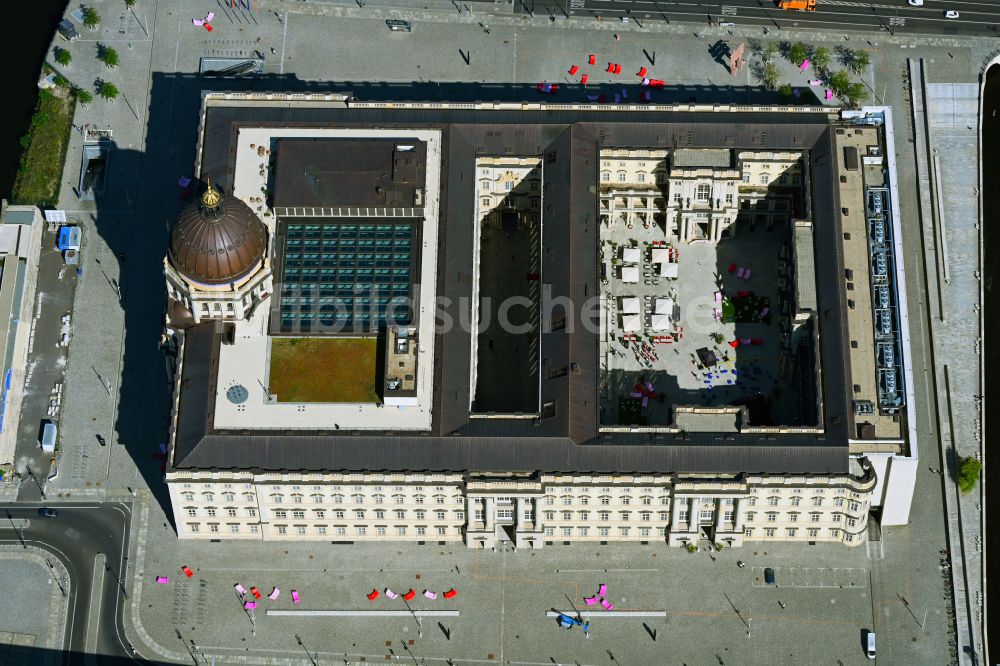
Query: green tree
[
  {"x": 107, "y": 55},
  {"x": 855, "y": 94},
  {"x": 786, "y": 92},
  {"x": 63, "y": 57},
  {"x": 61, "y": 81},
  {"x": 91, "y": 18},
  {"x": 839, "y": 82},
  {"x": 798, "y": 52},
  {"x": 108, "y": 91},
  {"x": 84, "y": 96},
  {"x": 859, "y": 61},
  {"x": 968, "y": 474},
  {"x": 769, "y": 75},
  {"x": 768, "y": 52},
  {"x": 130, "y": 3},
  {"x": 821, "y": 58}
]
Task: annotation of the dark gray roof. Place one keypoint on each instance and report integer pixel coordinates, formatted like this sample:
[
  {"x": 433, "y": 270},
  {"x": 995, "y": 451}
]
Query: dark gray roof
[
  {"x": 569, "y": 439},
  {"x": 332, "y": 173}
]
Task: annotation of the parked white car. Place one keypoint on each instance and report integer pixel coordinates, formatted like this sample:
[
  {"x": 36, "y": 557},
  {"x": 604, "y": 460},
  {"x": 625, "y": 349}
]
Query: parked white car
[
  {"x": 951, "y": 13},
  {"x": 915, "y": 3}
]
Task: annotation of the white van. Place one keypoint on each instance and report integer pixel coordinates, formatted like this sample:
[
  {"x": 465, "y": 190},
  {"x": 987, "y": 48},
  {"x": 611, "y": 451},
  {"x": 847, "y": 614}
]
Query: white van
[
  {"x": 870, "y": 645},
  {"x": 49, "y": 434}
]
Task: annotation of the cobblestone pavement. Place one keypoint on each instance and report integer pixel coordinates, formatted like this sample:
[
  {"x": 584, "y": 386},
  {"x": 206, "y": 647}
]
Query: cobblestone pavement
[
  {"x": 31, "y": 633},
  {"x": 339, "y": 47},
  {"x": 827, "y": 593}
]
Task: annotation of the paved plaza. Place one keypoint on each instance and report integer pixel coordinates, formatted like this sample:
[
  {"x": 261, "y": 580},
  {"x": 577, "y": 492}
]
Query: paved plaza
[
  {"x": 666, "y": 355},
  {"x": 503, "y": 597},
  {"x": 500, "y": 612}
]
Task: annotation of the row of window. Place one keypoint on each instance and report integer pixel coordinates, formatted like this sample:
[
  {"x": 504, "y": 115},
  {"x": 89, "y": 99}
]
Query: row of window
[
  {"x": 605, "y": 531},
  {"x": 321, "y": 530},
  {"x": 772, "y": 517},
  {"x": 319, "y": 514},
  {"x": 317, "y": 488},
  {"x": 644, "y": 516},
  {"x": 816, "y": 501},
  {"x": 317, "y": 498},
  {"x": 624, "y": 500},
  {"x": 793, "y": 532}
]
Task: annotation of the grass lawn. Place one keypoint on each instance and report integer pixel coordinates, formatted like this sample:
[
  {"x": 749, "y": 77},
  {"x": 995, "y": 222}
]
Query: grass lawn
[
  {"x": 746, "y": 309},
  {"x": 323, "y": 369},
  {"x": 44, "y": 149}
]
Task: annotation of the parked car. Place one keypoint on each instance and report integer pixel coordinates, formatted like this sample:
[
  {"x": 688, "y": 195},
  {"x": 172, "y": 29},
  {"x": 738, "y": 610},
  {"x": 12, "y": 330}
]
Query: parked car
[
  {"x": 870, "y": 645},
  {"x": 46, "y": 512},
  {"x": 397, "y": 25},
  {"x": 951, "y": 13},
  {"x": 915, "y": 3},
  {"x": 769, "y": 576},
  {"x": 67, "y": 31}
]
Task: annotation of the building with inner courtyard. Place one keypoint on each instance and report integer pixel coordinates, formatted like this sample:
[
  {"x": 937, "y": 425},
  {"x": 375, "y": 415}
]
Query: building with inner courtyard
[{"x": 505, "y": 325}]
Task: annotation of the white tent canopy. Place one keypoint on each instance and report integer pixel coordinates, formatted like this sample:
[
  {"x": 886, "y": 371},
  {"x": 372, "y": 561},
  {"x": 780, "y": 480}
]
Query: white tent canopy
[
  {"x": 661, "y": 255},
  {"x": 630, "y": 273},
  {"x": 668, "y": 270},
  {"x": 629, "y": 304},
  {"x": 661, "y": 322},
  {"x": 631, "y": 323},
  {"x": 631, "y": 255},
  {"x": 665, "y": 306}
]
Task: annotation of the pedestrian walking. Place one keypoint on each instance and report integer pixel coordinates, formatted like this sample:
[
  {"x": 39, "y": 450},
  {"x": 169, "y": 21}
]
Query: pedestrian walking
[{"x": 272, "y": 51}]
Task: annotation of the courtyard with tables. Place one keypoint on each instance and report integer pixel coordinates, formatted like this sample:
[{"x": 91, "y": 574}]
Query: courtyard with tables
[{"x": 699, "y": 324}]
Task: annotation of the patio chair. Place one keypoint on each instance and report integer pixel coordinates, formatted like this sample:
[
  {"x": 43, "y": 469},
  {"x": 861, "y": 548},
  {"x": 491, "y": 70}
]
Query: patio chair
[
  {"x": 590, "y": 601},
  {"x": 275, "y": 593},
  {"x": 746, "y": 275},
  {"x": 573, "y": 70},
  {"x": 255, "y": 592},
  {"x": 249, "y": 605},
  {"x": 451, "y": 594},
  {"x": 607, "y": 604},
  {"x": 162, "y": 580},
  {"x": 409, "y": 595},
  {"x": 373, "y": 595},
  {"x": 732, "y": 268},
  {"x": 240, "y": 590},
  {"x": 602, "y": 590},
  {"x": 741, "y": 272},
  {"x": 295, "y": 597},
  {"x": 591, "y": 59},
  {"x": 430, "y": 595},
  {"x": 389, "y": 593}
]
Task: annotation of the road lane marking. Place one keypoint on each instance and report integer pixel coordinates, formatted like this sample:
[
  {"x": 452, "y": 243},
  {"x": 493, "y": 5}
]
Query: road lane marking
[
  {"x": 93, "y": 618},
  {"x": 362, "y": 613}
]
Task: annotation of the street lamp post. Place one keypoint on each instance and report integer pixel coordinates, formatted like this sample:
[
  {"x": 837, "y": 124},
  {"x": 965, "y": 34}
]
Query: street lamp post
[
  {"x": 20, "y": 537},
  {"x": 35, "y": 479},
  {"x": 302, "y": 645},
  {"x": 55, "y": 578},
  {"x": 121, "y": 585}
]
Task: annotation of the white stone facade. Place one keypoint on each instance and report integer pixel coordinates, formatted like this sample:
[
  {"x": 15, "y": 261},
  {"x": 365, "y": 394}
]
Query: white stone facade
[
  {"x": 528, "y": 512},
  {"x": 642, "y": 187},
  {"x": 227, "y": 302}
]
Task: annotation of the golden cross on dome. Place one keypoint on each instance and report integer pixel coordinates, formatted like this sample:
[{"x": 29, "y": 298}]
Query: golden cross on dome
[{"x": 211, "y": 198}]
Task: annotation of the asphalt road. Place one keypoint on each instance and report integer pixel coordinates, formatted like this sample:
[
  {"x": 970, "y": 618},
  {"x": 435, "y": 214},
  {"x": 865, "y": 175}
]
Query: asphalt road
[
  {"x": 75, "y": 537},
  {"x": 976, "y": 17}
]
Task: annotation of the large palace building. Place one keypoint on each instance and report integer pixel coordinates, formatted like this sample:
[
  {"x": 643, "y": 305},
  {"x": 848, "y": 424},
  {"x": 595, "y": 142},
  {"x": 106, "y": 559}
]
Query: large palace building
[{"x": 527, "y": 325}]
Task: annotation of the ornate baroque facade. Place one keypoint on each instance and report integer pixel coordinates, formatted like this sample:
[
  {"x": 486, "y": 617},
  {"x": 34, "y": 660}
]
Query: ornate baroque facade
[{"x": 483, "y": 511}]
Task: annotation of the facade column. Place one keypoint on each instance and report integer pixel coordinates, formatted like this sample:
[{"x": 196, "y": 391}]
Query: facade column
[
  {"x": 694, "y": 519},
  {"x": 675, "y": 513},
  {"x": 489, "y": 513},
  {"x": 741, "y": 506},
  {"x": 519, "y": 518},
  {"x": 720, "y": 515},
  {"x": 470, "y": 511}
]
